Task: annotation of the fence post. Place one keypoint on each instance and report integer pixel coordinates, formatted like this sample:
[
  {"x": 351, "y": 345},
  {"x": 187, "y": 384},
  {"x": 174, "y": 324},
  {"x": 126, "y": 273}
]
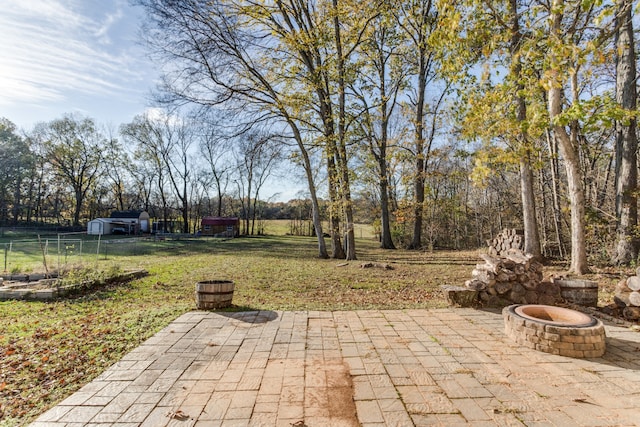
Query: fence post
[
  {"x": 98, "y": 250},
  {"x": 44, "y": 257}
]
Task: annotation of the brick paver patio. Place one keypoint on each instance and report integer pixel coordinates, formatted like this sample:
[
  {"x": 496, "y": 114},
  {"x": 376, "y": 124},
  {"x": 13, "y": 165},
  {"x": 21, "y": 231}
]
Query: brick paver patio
[{"x": 443, "y": 367}]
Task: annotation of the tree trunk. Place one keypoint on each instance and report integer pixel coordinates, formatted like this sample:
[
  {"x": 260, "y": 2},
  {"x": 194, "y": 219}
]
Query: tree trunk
[
  {"x": 554, "y": 168},
  {"x": 418, "y": 204},
  {"x": 531, "y": 236},
  {"x": 576, "y": 195},
  {"x": 418, "y": 180},
  {"x": 185, "y": 207},
  {"x": 17, "y": 201},
  {"x": 315, "y": 206},
  {"x": 165, "y": 209},
  {"x": 247, "y": 205},
  {"x": 576, "y": 191},
  {"x": 78, "y": 208},
  {"x": 337, "y": 251},
  {"x": 626, "y": 143},
  {"x": 345, "y": 186},
  {"x": 569, "y": 151},
  {"x": 185, "y": 219},
  {"x": 220, "y": 195},
  {"x": 326, "y": 113},
  {"x": 317, "y": 223},
  {"x": 387, "y": 241}
]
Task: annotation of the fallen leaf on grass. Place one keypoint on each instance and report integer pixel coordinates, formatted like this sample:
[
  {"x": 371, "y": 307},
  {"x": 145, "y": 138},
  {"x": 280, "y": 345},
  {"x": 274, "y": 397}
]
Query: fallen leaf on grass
[{"x": 177, "y": 415}]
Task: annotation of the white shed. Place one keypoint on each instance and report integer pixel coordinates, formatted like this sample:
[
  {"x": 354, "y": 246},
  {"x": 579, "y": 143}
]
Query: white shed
[{"x": 99, "y": 226}]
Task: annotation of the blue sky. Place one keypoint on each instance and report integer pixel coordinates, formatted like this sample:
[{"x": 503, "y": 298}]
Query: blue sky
[
  {"x": 82, "y": 57},
  {"x": 72, "y": 56}
]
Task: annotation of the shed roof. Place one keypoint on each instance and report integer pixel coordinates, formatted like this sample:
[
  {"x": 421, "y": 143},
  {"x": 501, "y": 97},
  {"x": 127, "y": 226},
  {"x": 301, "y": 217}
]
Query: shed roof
[
  {"x": 105, "y": 220},
  {"x": 126, "y": 214},
  {"x": 216, "y": 220}
]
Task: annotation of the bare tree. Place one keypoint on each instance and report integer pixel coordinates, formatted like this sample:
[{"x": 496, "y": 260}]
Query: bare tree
[
  {"x": 212, "y": 60},
  {"x": 166, "y": 142},
  {"x": 73, "y": 146},
  {"x": 117, "y": 164},
  {"x": 257, "y": 155},
  {"x": 380, "y": 86},
  {"x": 215, "y": 151},
  {"x": 418, "y": 19}
]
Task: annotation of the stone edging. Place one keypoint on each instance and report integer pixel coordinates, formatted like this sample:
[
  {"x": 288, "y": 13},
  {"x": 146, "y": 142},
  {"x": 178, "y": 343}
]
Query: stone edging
[
  {"x": 583, "y": 342},
  {"x": 60, "y": 291}
]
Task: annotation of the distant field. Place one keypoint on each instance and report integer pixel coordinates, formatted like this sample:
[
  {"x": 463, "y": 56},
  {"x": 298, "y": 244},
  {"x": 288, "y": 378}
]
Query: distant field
[
  {"x": 49, "y": 350},
  {"x": 28, "y": 252},
  {"x": 282, "y": 227}
]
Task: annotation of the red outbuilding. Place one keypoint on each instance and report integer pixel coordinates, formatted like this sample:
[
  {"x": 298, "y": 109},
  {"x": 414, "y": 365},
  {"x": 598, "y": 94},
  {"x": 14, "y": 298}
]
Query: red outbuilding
[{"x": 220, "y": 226}]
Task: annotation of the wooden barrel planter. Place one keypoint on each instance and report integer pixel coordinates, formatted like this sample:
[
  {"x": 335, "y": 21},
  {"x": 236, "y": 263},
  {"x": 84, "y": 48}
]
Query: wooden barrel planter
[
  {"x": 581, "y": 292},
  {"x": 214, "y": 294}
]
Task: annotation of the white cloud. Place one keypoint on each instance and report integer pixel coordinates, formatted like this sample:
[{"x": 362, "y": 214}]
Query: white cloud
[
  {"x": 102, "y": 33},
  {"x": 156, "y": 114},
  {"x": 51, "y": 49},
  {"x": 161, "y": 115}
]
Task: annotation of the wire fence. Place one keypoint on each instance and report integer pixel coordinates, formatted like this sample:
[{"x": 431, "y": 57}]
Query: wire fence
[
  {"x": 56, "y": 253},
  {"x": 32, "y": 251}
]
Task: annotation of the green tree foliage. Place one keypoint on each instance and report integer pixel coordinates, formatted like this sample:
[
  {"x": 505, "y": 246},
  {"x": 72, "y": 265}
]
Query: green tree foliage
[
  {"x": 443, "y": 121},
  {"x": 539, "y": 63},
  {"x": 17, "y": 162}
]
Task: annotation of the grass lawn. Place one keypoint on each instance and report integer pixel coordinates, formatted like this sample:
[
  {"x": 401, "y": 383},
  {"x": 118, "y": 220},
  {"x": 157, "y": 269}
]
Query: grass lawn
[
  {"x": 49, "y": 350},
  {"x": 24, "y": 252}
]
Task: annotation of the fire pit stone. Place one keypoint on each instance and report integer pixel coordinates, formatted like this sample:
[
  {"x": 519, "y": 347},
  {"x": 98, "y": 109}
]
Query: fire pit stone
[{"x": 555, "y": 330}]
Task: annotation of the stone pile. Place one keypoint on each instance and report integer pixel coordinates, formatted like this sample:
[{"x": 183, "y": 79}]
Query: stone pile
[
  {"x": 514, "y": 278},
  {"x": 627, "y": 296}
]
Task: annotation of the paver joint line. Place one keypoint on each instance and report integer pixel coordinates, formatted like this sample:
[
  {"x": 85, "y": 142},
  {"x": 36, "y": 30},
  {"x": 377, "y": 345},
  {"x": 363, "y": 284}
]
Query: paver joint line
[{"x": 370, "y": 368}]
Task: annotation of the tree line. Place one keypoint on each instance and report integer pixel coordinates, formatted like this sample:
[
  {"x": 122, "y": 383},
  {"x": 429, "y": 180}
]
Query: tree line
[
  {"x": 448, "y": 120},
  {"x": 71, "y": 170}
]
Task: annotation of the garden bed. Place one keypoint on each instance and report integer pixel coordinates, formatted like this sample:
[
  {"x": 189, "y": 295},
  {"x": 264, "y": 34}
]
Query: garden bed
[{"x": 48, "y": 288}]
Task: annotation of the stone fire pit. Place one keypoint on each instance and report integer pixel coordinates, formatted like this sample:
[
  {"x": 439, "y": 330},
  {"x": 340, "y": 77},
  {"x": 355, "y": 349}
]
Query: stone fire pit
[{"x": 555, "y": 330}]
